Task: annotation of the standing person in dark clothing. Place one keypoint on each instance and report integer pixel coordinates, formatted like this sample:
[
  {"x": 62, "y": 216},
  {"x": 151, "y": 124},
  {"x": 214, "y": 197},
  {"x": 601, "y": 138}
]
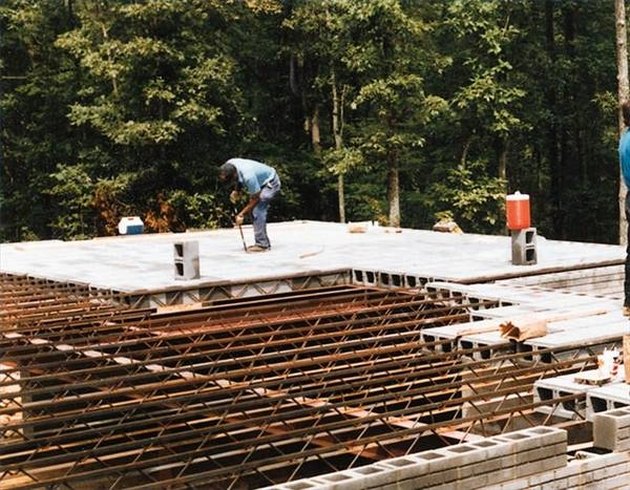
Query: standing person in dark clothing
[
  {"x": 624, "y": 160},
  {"x": 262, "y": 184}
]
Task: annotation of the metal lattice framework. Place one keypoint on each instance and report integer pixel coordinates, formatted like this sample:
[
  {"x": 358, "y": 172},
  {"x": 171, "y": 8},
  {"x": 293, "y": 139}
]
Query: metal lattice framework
[{"x": 245, "y": 391}]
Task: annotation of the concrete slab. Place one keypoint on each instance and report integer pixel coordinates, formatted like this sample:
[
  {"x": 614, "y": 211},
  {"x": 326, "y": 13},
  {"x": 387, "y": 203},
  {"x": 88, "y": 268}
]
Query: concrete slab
[{"x": 145, "y": 262}]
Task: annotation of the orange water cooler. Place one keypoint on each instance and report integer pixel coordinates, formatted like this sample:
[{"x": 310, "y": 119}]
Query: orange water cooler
[
  {"x": 524, "y": 250},
  {"x": 517, "y": 211}
]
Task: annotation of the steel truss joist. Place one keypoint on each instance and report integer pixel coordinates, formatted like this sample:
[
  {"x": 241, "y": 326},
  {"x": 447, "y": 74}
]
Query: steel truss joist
[
  {"x": 252, "y": 389},
  {"x": 213, "y": 292}
]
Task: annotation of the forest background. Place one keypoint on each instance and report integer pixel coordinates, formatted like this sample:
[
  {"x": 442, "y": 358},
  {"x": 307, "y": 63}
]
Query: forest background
[{"x": 399, "y": 111}]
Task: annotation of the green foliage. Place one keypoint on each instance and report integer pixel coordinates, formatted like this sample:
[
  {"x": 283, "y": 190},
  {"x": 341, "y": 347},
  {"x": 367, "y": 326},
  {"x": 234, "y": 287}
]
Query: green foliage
[
  {"x": 473, "y": 199},
  {"x": 343, "y": 160},
  {"x": 128, "y": 107},
  {"x": 148, "y": 81},
  {"x": 198, "y": 210},
  {"x": 367, "y": 202},
  {"x": 34, "y": 133},
  {"x": 72, "y": 190},
  {"x": 488, "y": 94}
]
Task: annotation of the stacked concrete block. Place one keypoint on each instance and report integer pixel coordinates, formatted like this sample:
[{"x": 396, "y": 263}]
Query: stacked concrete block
[
  {"x": 611, "y": 430},
  {"x": 186, "y": 259},
  {"x": 597, "y": 280},
  {"x": 524, "y": 250},
  {"x": 465, "y": 466},
  {"x": 595, "y": 472}
]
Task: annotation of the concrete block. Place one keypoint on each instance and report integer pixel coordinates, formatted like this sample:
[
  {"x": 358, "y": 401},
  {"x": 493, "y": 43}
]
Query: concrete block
[
  {"x": 376, "y": 475},
  {"x": 550, "y": 464},
  {"x": 479, "y": 481},
  {"x": 448, "y": 476},
  {"x": 576, "y": 481},
  {"x": 186, "y": 259},
  {"x": 606, "y": 427},
  {"x": 497, "y": 449},
  {"x": 563, "y": 472},
  {"x": 605, "y": 473},
  {"x": 453, "y": 456},
  {"x": 391, "y": 486},
  {"x": 432, "y": 458},
  {"x": 501, "y": 476},
  {"x": 538, "y": 467},
  {"x": 433, "y": 462},
  {"x": 406, "y": 485},
  {"x": 624, "y": 432},
  {"x": 510, "y": 485},
  {"x": 508, "y": 460},
  {"x": 304, "y": 484},
  {"x": 544, "y": 479},
  {"x": 346, "y": 480},
  {"x": 553, "y": 435},
  {"x": 623, "y": 414},
  {"x": 617, "y": 482},
  {"x": 591, "y": 464},
  {"x": 408, "y": 468},
  {"x": 524, "y": 248},
  {"x": 402, "y": 462},
  {"x": 487, "y": 466},
  {"x": 540, "y": 453},
  {"x": 465, "y": 454},
  {"x": 484, "y": 443},
  {"x": 445, "y": 486}
]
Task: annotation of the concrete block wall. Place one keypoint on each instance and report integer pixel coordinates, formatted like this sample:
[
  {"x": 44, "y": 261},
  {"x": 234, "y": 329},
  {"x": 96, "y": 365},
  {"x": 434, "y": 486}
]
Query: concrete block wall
[
  {"x": 465, "y": 466},
  {"x": 589, "y": 471},
  {"x": 607, "y": 280},
  {"x": 611, "y": 430},
  {"x": 597, "y": 472}
]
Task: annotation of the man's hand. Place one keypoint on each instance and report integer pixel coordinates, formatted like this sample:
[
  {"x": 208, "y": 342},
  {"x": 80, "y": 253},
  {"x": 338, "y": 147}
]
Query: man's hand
[
  {"x": 239, "y": 219},
  {"x": 234, "y": 196}
]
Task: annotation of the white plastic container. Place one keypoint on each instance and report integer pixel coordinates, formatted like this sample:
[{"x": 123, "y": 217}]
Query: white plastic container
[{"x": 130, "y": 225}]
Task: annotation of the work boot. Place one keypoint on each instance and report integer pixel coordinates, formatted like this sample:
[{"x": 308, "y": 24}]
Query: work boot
[
  {"x": 626, "y": 311},
  {"x": 256, "y": 248}
]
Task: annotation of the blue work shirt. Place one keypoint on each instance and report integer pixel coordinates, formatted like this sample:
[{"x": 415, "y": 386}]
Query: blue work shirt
[
  {"x": 624, "y": 156},
  {"x": 252, "y": 175}
]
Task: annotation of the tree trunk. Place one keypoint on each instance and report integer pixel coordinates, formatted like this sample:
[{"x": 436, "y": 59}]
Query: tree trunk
[
  {"x": 622, "y": 95},
  {"x": 342, "y": 199},
  {"x": 464, "y": 157},
  {"x": 552, "y": 133},
  {"x": 337, "y": 125},
  {"x": 315, "y": 132},
  {"x": 393, "y": 189}
]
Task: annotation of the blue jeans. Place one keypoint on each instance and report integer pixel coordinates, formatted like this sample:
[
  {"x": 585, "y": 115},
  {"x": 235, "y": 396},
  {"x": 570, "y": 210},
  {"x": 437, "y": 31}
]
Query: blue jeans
[{"x": 259, "y": 213}]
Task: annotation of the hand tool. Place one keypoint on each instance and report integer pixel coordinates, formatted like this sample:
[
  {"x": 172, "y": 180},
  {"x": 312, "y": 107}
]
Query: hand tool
[
  {"x": 240, "y": 228},
  {"x": 242, "y": 237}
]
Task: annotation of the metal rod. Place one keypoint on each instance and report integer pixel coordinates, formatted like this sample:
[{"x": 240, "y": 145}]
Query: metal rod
[{"x": 93, "y": 388}]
